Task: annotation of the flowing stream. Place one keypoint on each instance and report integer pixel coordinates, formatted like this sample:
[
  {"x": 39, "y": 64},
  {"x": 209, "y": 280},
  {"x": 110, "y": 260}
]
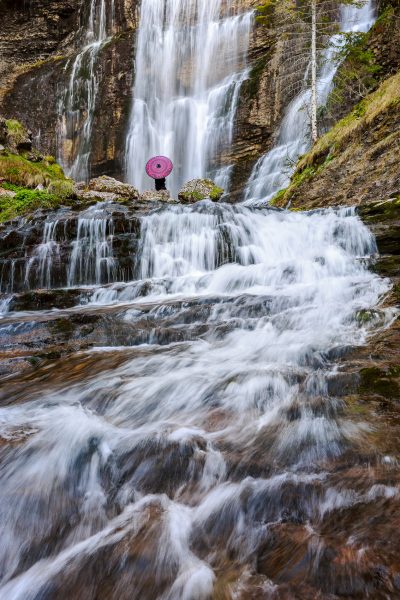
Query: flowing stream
[
  {"x": 272, "y": 171},
  {"x": 200, "y": 460},
  {"x": 190, "y": 64}
]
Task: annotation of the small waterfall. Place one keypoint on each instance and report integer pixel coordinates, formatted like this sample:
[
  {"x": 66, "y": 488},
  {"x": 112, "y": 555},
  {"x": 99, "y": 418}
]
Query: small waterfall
[
  {"x": 78, "y": 102},
  {"x": 74, "y": 251},
  {"x": 272, "y": 171},
  {"x": 221, "y": 249},
  {"x": 190, "y": 64},
  {"x": 44, "y": 256},
  {"x": 92, "y": 260}
]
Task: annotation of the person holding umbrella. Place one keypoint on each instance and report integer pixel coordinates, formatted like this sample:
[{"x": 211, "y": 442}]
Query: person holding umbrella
[{"x": 158, "y": 168}]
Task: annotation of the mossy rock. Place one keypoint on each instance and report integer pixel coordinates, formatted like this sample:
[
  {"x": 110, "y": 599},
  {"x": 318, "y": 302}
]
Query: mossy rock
[
  {"x": 200, "y": 189},
  {"x": 381, "y": 382}
]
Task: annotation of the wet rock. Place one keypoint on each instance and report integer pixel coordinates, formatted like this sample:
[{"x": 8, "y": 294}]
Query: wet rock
[
  {"x": 109, "y": 185},
  {"x": 200, "y": 189},
  {"x": 3, "y": 131},
  {"x": 156, "y": 196},
  {"x": 47, "y": 299}
]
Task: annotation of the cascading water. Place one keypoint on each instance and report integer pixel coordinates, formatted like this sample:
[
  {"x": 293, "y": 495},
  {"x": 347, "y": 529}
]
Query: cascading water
[
  {"x": 92, "y": 258},
  {"x": 78, "y": 101},
  {"x": 272, "y": 171},
  {"x": 190, "y": 64},
  {"x": 184, "y": 466},
  {"x": 203, "y": 443}
]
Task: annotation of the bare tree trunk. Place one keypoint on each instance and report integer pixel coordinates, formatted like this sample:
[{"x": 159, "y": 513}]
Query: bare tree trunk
[{"x": 314, "y": 100}]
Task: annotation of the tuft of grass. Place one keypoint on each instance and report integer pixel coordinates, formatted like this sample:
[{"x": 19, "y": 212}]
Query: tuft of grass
[
  {"x": 14, "y": 127},
  {"x": 18, "y": 170}
]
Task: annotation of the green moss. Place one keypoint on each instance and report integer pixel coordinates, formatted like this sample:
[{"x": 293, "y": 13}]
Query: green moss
[
  {"x": 193, "y": 196},
  {"x": 278, "y": 197},
  {"x": 26, "y": 201},
  {"x": 216, "y": 193},
  {"x": 14, "y": 127},
  {"x": 265, "y": 12},
  {"x": 62, "y": 327},
  {"x": 380, "y": 212},
  {"x": 18, "y": 170},
  {"x": 380, "y": 382}
]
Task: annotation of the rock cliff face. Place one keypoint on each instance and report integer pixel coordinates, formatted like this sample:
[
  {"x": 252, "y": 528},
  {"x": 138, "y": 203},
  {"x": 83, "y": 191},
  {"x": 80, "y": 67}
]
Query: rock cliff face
[
  {"x": 40, "y": 42},
  {"x": 38, "y": 46}
]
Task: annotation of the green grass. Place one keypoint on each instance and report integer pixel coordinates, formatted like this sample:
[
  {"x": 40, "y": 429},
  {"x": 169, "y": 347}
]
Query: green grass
[
  {"x": 18, "y": 170},
  {"x": 26, "y": 201}
]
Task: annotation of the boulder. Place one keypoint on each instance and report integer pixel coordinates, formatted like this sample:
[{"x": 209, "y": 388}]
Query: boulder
[
  {"x": 200, "y": 189},
  {"x": 154, "y": 196},
  {"x": 6, "y": 193},
  {"x": 93, "y": 196},
  {"x": 109, "y": 185}
]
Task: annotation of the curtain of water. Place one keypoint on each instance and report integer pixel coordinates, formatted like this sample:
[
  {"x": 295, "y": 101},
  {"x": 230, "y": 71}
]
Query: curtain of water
[
  {"x": 78, "y": 101},
  {"x": 190, "y": 64},
  {"x": 272, "y": 171}
]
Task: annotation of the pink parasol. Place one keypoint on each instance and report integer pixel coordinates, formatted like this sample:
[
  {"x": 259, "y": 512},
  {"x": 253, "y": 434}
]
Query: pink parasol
[{"x": 159, "y": 167}]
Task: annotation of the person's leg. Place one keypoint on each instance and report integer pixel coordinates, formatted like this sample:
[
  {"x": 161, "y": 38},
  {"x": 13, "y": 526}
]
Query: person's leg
[{"x": 160, "y": 184}]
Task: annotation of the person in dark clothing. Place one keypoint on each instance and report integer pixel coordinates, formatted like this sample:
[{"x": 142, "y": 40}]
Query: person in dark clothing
[{"x": 160, "y": 184}]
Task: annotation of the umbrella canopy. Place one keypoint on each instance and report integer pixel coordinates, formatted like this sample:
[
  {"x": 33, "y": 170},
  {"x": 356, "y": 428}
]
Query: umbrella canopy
[{"x": 159, "y": 167}]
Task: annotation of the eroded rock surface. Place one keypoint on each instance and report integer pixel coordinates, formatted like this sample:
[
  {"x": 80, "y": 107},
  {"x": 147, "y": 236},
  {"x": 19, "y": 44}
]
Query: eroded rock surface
[{"x": 200, "y": 189}]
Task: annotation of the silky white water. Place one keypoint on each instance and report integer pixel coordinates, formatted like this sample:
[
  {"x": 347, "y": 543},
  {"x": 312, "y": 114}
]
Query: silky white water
[
  {"x": 272, "y": 171},
  {"x": 189, "y": 67},
  {"x": 181, "y": 450},
  {"x": 77, "y": 103}
]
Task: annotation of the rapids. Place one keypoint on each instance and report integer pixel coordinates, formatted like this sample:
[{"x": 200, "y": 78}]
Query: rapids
[{"x": 215, "y": 456}]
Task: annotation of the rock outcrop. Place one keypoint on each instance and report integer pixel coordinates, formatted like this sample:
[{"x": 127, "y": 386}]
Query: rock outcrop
[
  {"x": 156, "y": 196},
  {"x": 39, "y": 42},
  {"x": 355, "y": 163},
  {"x": 200, "y": 189}
]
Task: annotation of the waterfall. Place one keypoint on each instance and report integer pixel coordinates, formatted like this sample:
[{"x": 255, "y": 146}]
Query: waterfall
[
  {"x": 272, "y": 171},
  {"x": 44, "y": 256},
  {"x": 77, "y": 103},
  {"x": 92, "y": 259},
  {"x": 190, "y": 64}
]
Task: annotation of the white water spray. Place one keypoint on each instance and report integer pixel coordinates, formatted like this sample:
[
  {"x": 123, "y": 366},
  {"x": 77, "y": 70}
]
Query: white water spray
[
  {"x": 160, "y": 441},
  {"x": 190, "y": 64}
]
